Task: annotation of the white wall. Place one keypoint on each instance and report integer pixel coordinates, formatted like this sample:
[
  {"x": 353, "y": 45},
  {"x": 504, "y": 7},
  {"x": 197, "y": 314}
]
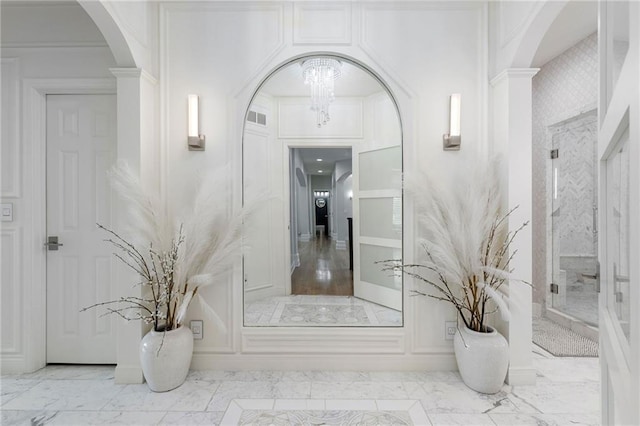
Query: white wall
[
  {"x": 38, "y": 42},
  {"x": 342, "y": 203},
  {"x": 403, "y": 44},
  {"x": 302, "y": 198}
]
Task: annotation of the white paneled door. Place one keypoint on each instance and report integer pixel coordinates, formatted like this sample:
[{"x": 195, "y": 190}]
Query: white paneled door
[
  {"x": 377, "y": 225},
  {"x": 619, "y": 197},
  {"x": 81, "y": 144}
]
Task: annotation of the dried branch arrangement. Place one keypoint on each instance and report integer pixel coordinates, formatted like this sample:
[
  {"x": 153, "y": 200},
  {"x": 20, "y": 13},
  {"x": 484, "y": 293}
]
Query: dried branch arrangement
[
  {"x": 466, "y": 245},
  {"x": 174, "y": 259}
]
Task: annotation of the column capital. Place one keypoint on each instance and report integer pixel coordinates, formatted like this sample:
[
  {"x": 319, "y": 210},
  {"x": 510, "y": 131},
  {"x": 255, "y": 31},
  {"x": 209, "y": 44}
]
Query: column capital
[
  {"x": 510, "y": 73},
  {"x": 133, "y": 73}
]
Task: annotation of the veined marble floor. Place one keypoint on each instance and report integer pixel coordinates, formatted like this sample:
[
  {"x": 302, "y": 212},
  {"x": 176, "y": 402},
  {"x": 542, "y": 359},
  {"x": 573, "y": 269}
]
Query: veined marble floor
[
  {"x": 567, "y": 392},
  {"x": 320, "y": 311}
]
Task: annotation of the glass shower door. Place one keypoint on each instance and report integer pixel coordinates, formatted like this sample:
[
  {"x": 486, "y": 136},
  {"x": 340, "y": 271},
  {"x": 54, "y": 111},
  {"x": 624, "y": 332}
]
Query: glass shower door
[{"x": 574, "y": 241}]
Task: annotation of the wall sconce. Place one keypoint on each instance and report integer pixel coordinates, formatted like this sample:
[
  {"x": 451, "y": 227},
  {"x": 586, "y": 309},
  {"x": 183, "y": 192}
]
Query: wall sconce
[
  {"x": 451, "y": 140},
  {"x": 195, "y": 139}
]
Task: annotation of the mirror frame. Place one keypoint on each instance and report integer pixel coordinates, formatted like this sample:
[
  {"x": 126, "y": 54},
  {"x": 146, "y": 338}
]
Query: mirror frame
[{"x": 254, "y": 93}]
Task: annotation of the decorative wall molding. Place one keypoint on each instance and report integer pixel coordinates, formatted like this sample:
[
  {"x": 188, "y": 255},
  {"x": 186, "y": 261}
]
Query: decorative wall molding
[
  {"x": 333, "y": 362},
  {"x": 52, "y": 44},
  {"x": 513, "y": 73},
  {"x": 11, "y": 147},
  {"x": 12, "y": 292},
  {"x": 322, "y": 23},
  {"x": 330, "y": 341}
]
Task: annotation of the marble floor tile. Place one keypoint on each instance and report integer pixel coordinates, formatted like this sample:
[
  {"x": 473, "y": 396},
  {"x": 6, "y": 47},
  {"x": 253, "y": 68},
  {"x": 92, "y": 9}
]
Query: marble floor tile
[
  {"x": 72, "y": 372},
  {"x": 546, "y": 419},
  {"x": 456, "y": 397},
  {"x": 569, "y": 369},
  {"x": 299, "y": 404},
  {"x": 192, "y": 418},
  {"x": 461, "y": 419},
  {"x": 567, "y": 392},
  {"x": 192, "y": 395},
  {"x": 237, "y": 376},
  {"x": 230, "y": 390},
  {"x": 70, "y": 418},
  {"x": 25, "y": 417},
  {"x": 414, "y": 376},
  {"x": 10, "y": 388},
  {"x": 319, "y": 311},
  {"x": 550, "y": 397},
  {"x": 65, "y": 395},
  {"x": 338, "y": 412},
  {"x": 358, "y": 390}
]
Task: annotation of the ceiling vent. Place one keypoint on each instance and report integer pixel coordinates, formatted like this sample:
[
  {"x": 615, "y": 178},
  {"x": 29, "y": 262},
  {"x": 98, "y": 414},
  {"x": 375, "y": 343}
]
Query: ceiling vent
[{"x": 257, "y": 118}]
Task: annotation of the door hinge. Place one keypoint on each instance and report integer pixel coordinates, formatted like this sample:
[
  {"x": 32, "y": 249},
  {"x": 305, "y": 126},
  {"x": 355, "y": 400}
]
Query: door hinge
[
  {"x": 554, "y": 288},
  {"x": 555, "y": 153},
  {"x": 619, "y": 297}
]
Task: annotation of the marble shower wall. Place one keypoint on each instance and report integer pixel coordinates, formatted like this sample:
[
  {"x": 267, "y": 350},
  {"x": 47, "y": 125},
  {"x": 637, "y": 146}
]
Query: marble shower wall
[
  {"x": 565, "y": 87},
  {"x": 572, "y": 209}
]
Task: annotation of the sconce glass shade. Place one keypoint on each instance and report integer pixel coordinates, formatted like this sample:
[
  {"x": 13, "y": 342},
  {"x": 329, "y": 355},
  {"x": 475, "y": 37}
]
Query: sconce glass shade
[
  {"x": 451, "y": 140},
  {"x": 195, "y": 139}
]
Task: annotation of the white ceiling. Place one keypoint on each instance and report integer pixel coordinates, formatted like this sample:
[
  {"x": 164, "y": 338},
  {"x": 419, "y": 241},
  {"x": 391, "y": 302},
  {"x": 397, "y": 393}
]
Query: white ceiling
[
  {"x": 353, "y": 81},
  {"x": 329, "y": 157},
  {"x": 578, "y": 20}
]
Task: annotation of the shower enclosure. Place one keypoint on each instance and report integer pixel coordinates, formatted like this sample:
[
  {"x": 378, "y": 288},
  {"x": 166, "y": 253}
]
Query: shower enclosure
[{"x": 574, "y": 212}]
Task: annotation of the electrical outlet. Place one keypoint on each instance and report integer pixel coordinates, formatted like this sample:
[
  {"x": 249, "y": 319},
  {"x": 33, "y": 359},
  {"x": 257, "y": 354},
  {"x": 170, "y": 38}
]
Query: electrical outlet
[
  {"x": 196, "y": 329},
  {"x": 450, "y": 328},
  {"x": 7, "y": 212}
]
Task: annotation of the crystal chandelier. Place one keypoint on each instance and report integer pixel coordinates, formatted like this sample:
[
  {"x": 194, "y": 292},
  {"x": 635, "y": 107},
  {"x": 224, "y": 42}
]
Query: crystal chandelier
[{"x": 320, "y": 74}]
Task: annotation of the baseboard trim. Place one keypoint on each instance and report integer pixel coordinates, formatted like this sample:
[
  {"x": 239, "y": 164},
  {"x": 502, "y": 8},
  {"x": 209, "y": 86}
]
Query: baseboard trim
[
  {"x": 304, "y": 238},
  {"x": 128, "y": 374},
  {"x": 336, "y": 362},
  {"x": 341, "y": 245},
  {"x": 14, "y": 365}
]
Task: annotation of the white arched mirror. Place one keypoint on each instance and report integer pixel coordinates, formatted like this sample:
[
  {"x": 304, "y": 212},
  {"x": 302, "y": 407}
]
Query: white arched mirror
[{"x": 322, "y": 157}]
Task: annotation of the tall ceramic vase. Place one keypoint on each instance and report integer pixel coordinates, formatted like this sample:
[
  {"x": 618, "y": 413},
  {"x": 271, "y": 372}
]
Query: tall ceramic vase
[
  {"x": 165, "y": 358},
  {"x": 483, "y": 358}
]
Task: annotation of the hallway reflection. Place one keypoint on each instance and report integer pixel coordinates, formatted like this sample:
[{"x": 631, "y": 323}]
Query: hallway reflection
[{"x": 323, "y": 269}]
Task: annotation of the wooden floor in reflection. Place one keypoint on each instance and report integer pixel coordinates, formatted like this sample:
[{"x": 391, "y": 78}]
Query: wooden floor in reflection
[{"x": 323, "y": 269}]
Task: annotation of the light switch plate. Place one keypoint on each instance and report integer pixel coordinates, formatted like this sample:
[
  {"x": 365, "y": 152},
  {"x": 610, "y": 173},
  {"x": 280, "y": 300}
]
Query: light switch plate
[{"x": 6, "y": 212}]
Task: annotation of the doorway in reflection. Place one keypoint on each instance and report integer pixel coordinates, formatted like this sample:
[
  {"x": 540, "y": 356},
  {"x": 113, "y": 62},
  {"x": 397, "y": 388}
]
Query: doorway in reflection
[{"x": 321, "y": 199}]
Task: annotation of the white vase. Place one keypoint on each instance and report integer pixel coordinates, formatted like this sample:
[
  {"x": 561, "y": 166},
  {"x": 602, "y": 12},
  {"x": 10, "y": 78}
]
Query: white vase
[
  {"x": 166, "y": 357},
  {"x": 483, "y": 358}
]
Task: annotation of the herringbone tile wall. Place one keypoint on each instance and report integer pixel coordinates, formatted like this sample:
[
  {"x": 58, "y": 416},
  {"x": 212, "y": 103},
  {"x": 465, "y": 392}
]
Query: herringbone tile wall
[{"x": 565, "y": 87}]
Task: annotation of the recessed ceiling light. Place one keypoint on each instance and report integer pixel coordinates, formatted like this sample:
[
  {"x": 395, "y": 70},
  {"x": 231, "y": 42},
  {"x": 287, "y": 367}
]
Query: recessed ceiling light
[
  {"x": 318, "y": 159},
  {"x": 319, "y": 171}
]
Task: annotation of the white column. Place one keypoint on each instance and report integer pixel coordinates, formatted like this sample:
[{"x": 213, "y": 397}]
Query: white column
[
  {"x": 138, "y": 147},
  {"x": 512, "y": 136}
]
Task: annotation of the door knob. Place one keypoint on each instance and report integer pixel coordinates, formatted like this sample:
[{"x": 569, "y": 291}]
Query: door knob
[{"x": 52, "y": 243}]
